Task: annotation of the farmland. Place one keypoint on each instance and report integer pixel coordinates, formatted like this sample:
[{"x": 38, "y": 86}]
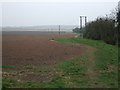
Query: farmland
[{"x": 58, "y": 61}]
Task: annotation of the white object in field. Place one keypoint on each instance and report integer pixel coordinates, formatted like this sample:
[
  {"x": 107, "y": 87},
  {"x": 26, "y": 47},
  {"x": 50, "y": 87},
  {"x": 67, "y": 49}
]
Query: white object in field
[
  {"x": 52, "y": 40},
  {"x": 76, "y": 36}
]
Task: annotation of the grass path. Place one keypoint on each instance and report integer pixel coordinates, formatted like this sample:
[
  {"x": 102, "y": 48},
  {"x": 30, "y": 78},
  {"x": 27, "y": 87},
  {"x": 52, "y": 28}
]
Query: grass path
[
  {"x": 101, "y": 64},
  {"x": 90, "y": 64}
]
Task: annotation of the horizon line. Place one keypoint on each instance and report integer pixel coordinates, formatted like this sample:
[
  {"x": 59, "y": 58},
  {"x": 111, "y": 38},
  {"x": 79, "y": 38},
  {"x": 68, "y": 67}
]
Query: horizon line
[{"x": 38, "y": 25}]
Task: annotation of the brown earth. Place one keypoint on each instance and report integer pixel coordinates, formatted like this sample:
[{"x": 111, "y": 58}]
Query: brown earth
[{"x": 36, "y": 50}]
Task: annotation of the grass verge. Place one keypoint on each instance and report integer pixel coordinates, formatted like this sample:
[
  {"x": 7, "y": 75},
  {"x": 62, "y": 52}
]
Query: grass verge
[{"x": 106, "y": 63}]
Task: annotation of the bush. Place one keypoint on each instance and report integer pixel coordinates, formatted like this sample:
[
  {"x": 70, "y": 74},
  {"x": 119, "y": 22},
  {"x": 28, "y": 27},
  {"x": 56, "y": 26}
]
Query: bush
[
  {"x": 76, "y": 30},
  {"x": 101, "y": 29}
]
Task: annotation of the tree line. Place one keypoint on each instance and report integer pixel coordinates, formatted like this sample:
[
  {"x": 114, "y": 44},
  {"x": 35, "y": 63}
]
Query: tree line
[{"x": 101, "y": 29}]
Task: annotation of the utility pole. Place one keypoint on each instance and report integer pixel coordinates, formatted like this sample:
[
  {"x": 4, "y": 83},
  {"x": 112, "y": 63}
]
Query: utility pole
[
  {"x": 80, "y": 22},
  {"x": 85, "y": 20},
  {"x": 59, "y": 29}
]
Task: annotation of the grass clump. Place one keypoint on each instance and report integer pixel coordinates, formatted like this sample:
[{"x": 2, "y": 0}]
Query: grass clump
[
  {"x": 10, "y": 83},
  {"x": 73, "y": 72},
  {"x": 56, "y": 82},
  {"x": 71, "y": 67}
]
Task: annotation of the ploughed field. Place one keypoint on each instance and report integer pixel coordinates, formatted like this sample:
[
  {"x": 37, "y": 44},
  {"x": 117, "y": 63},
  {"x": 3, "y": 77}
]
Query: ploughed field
[
  {"x": 26, "y": 56},
  {"x": 37, "y": 49}
]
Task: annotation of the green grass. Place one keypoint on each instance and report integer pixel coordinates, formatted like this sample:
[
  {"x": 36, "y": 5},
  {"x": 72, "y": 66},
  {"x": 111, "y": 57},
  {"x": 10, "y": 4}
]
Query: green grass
[
  {"x": 106, "y": 55},
  {"x": 9, "y": 66},
  {"x": 9, "y": 83},
  {"x": 73, "y": 73},
  {"x": 72, "y": 67},
  {"x": 109, "y": 78},
  {"x": 55, "y": 82}
]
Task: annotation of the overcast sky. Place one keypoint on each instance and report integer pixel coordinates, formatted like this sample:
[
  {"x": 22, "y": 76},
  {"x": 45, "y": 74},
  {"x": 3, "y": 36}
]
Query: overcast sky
[{"x": 51, "y": 13}]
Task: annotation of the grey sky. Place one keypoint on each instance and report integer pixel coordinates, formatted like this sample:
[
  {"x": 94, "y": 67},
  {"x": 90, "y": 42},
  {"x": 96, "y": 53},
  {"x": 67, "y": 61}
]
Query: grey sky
[{"x": 33, "y": 14}]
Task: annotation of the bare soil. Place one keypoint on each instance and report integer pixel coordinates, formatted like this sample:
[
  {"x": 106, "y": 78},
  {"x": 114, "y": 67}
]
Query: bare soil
[{"x": 36, "y": 50}]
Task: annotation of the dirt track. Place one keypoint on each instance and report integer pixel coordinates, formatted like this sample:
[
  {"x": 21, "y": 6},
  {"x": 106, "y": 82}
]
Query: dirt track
[{"x": 37, "y": 49}]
